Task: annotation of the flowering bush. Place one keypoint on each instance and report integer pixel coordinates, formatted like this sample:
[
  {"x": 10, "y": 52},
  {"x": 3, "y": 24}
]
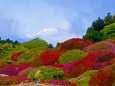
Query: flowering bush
[
  {"x": 100, "y": 65},
  {"x": 45, "y": 59},
  {"x": 46, "y": 73},
  {"x": 84, "y": 78},
  {"x": 78, "y": 67},
  {"x": 15, "y": 56},
  {"x": 59, "y": 82},
  {"x": 9, "y": 70},
  {"x": 9, "y": 80},
  {"x": 26, "y": 71},
  {"x": 99, "y": 47},
  {"x": 56, "y": 65},
  {"x": 74, "y": 43},
  {"x": 103, "y": 77},
  {"x": 71, "y": 56},
  {"x": 100, "y": 56}
]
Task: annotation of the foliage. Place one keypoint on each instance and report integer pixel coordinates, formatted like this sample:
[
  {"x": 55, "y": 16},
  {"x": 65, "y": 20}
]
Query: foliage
[
  {"x": 98, "y": 24},
  {"x": 9, "y": 70},
  {"x": 77, "y": 68},
  {"x": 13, "y": 80},
  {"x": 92, "y": 35},
  {"x": 108, "y": 19},
  {"x": 5, "y": 49},
  {"x": 16, "y": 55},
  {"x": 99, "y": 47},
  {"x": 56, "y": 65},
  {"x": 103, "y": 77},
  {"x": 109, "y": 31},
  {"x": 74, "y": 43},
  {"x": 50, "y": 46},
  {"x": 45, "y": 59},
  {"x": 59, "y": 82},
  {"x": 26, "y": 71},
  {"x": 50, "y": 50},
  {"x": 71, "y": 56},
  {"x": 100, "y": 65},
  {"x": 84, "y": 78},
  {"x": 35, "y": 43},
  {"x": 99, "y": 56},
  {"x": 9, "y": 42},
  {"x": 46, "y": 73}
]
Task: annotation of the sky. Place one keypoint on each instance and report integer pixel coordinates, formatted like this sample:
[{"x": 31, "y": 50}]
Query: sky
[{"x": 50, "y": 20}]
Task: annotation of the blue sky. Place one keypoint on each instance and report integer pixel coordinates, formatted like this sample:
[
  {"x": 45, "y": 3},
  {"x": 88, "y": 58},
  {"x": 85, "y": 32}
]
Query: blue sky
[{"x": 51, "y": 20}]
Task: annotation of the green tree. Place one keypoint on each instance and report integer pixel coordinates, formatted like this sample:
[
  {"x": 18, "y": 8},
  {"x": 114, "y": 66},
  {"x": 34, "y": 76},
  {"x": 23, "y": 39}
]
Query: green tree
[
  {"x": 113, "y": 19},
  {"x": 98, "y": 24},
  {"x": 108, "y": 19},
  {"x": 109, "y": 31},
  {"x": 50, "y": 46},
  {"x": 92, "y": 35}
]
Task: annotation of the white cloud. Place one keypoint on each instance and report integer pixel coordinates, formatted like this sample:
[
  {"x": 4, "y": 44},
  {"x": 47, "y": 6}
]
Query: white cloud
[{"x": 53, "y": 35}]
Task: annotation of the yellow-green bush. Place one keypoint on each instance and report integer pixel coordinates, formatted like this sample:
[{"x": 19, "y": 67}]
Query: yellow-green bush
[
  {"x": 35, "y": 43},
  {"x": 71, "y": 56},
  {"x": 46, "y": 73},
  {"x": 83, "y": 79}
]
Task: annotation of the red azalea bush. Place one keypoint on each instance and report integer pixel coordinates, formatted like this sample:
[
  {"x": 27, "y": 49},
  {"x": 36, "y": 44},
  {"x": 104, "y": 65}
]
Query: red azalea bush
[
  {"x": 100, "y": 65},
  {"x": 103, "y": 77},
  {"x": 22, "y": 67},
  {"x": 76, "y": 68},
  {"x": 9, "y": 80},
  {"x": 100, "y": 56},
  {"x": 56, "y": 65},
  {"x": 59, "y": 82},
  {"x": 15, "y": 56},
  {"x": 74, "y": 43},
  {"x": 9, "y": 70},
  {"x": 26, "y": 71},
  {"x": 46, "y": 59},
  {"x": 99, "y": 47}
]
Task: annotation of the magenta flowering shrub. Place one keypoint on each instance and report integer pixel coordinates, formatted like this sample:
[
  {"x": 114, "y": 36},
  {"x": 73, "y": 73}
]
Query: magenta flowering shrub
[
  {"x": 22, "y": 67},
  {"x": 59, "y": 82},
  {"x": 9, "y": 70},
  {"x": 100, "y": 65}
]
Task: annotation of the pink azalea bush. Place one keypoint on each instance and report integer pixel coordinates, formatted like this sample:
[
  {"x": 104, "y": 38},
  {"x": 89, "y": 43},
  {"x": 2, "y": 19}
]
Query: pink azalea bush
[{"x": 9, "y": 70}]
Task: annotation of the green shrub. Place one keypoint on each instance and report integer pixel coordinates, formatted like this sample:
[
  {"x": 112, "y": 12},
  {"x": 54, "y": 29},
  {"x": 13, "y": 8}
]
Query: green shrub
[
  {"x": 84, "y": 78},
  {"x": 71, "y": 56},
  {"x": 5, "y": 49},
  {"x": 35, "y": 43},
  {"x": 46, "y": 73}
]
